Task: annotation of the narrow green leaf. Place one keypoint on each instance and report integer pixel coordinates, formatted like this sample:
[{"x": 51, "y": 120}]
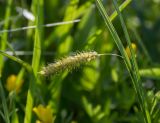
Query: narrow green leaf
[
  {"x": 37, "y": 10},
  {"x": 122, "y": 7},
  {"x": 134, "y": 71},
  {"x": 5, "y": 35},
  {"x": 4, "y": 104},
  {"x": 150, "y": 73}
]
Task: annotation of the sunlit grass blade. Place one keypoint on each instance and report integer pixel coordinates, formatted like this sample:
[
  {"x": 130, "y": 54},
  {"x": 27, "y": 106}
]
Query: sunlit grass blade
[
  {"x": 37, "y": 10},
  {"x": 113, "y": 32},
  {"x": 62, "y": 33},
  {"x": 112, "y": 17},
  {"x": 122, "y": 7},
  {"x": 131, "y": 64},
  {"x": 150, "y": 73},
  {"x": 5, "y": 35},
  {"x": 135, "y": 73}
]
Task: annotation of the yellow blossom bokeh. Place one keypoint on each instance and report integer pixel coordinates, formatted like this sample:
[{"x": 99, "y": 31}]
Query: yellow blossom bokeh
[
  {"x": 12, "y": 84},
  {"x": 134, "y": 47},
  {"x": 44, "y": 114}
]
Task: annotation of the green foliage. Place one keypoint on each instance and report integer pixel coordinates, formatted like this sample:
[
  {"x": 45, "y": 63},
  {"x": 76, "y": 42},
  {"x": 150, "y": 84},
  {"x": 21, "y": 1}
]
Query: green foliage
[{"x": 108, "y": 89}]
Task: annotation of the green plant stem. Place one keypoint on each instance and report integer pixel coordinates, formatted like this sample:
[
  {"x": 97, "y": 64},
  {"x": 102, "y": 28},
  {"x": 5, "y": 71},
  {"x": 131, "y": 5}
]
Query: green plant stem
[
  {"x": 134, "y": 72},
  {"x": 113, "y": 32},
  {"x": 130, "y": 63},
  {"x": 37, "y": 10},
  {"x": 5, "y": 35}
]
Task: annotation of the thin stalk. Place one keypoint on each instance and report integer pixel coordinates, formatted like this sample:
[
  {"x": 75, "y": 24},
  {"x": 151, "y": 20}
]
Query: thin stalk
[
  {"x": 115, "y": 36},
  {"x": 110, "y": 54},
  {"x": 135, "y": 74},
  {"x": 113, "y": 32},
  {"x": 130, "y": 63},
  {"x": 5, "y": 35},
  {"x": 45, "y": 25},
  {"x": 37, "y": 10}
]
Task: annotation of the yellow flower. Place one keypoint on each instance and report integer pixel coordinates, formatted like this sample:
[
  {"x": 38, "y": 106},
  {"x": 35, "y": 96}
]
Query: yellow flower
[
  {"x": 44, "y": 114},
  {"x": 37, "y": 121},
  {"x": 12, "y": 84},
  {"x": 134, "y": 47}
]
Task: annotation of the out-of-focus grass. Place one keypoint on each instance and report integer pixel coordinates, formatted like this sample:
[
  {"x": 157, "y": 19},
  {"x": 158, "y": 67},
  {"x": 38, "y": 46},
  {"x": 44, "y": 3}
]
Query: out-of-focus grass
[
  {"x": 97, "y": 92},
  {"x": 38, "y": 38},
  {"x": 4, "y": 38},
  {"x": 130, "y": 64}
]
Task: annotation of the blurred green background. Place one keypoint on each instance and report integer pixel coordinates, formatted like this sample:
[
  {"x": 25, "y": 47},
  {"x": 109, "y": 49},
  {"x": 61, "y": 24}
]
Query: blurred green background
[{"x": 98, "y": 92}]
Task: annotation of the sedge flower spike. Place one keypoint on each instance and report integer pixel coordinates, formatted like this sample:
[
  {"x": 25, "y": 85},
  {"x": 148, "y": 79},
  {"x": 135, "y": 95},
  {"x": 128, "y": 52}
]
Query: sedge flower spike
[{"x": 70, "y": 62}]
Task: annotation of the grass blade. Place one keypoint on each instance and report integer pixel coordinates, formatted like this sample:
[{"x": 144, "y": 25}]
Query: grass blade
[
  {"x": 131, "y": 64},
  {"x": 113, "y": 32},
  {"x": 150, "y": 73},
  {"x": 5, "y": 35},
  {"x": 35, "y": 60},
  {"x": 4, "y": 104},
  {"x": 122, "y": 7},
  {"x": 135, "y": 73}
]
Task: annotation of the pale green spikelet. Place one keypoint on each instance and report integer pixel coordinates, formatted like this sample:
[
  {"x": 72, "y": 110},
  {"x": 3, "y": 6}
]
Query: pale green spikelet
[{"x": 68, "y": 63}]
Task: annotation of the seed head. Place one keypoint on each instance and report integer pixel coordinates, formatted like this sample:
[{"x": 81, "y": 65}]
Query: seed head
[{"x": 68, "y": 63}]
